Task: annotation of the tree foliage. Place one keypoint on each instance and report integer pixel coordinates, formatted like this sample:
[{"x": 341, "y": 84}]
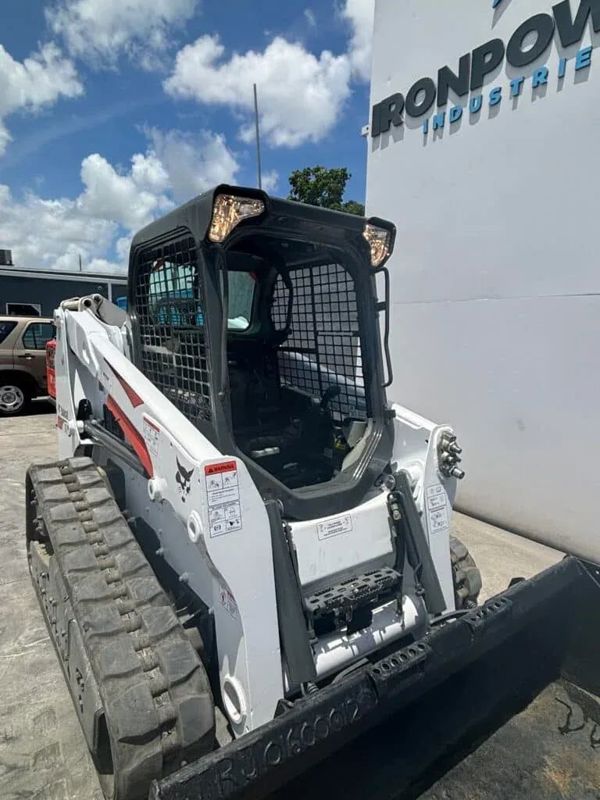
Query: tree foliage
[{"x": 319, "y": 186}]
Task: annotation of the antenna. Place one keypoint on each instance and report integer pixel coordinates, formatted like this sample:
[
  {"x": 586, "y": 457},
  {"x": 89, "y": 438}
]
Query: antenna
[{"x": 258, "y": 163}]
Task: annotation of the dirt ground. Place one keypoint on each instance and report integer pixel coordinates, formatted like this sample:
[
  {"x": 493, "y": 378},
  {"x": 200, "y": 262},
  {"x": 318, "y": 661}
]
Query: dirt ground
[{"x": 42, "y": 750}]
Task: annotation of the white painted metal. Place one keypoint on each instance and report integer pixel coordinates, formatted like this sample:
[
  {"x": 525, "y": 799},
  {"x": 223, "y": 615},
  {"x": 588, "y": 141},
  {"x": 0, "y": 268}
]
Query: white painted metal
[
  {"x": 333, "y": 652},
  {"x": 495, "y": 282},
  {"x": 416, "y": 451},
  {"x": 331, "y": 549}
]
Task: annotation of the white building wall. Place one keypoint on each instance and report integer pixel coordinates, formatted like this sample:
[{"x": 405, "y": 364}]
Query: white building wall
[{"x": 496, "y": 273}]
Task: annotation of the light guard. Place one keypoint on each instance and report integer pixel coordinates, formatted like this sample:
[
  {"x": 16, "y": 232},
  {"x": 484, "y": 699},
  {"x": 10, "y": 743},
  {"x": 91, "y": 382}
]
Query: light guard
[
  {"x": 380, "y": 241},
  {"x": 229, "y": 211}
]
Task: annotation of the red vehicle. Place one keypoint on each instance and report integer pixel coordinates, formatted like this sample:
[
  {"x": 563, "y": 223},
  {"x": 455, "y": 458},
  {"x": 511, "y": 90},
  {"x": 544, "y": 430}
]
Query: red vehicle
[{"x": 50, "y": 371}]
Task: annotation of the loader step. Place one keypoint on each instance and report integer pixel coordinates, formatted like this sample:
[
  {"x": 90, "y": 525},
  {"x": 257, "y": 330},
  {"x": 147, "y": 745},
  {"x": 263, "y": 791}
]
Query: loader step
[
  {"x": 344, "y": 598},
  {"x": 139, "y": 688}
]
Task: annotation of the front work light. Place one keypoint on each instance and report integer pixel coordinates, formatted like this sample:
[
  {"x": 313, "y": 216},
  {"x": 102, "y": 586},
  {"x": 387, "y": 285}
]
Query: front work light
[
  {"x": 229, "y": 211},
  {"x": 379, "y": 240}
]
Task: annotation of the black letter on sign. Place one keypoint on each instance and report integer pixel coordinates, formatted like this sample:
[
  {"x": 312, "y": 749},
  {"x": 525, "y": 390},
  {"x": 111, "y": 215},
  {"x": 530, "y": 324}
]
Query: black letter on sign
[
  {"x": 387, "y": 113},
  {"x": 425, "y": 85},
  {"x": 449, "y": 80},
  {"x": 485, "y": 60},
  {"x": 571, "y": 32},
  {"x": 543, "y": 26}
]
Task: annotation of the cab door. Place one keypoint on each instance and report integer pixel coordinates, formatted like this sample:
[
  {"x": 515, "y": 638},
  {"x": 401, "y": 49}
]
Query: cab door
[{"x": 30, "y": 351}]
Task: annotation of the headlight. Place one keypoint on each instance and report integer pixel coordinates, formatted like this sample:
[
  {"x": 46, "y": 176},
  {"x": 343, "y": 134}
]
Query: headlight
[
  {"x": 379, "y": 240},
  {"x": 229, "y": 211}
]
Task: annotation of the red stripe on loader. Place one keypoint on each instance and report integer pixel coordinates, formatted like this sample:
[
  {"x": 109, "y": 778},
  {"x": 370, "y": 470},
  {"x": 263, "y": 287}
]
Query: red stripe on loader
[
  {"x": 131, "y": 434},
  {"x": 133, "y": 396}
]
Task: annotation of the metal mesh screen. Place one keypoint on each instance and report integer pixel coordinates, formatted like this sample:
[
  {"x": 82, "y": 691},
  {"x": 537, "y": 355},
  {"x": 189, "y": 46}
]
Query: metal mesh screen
[
  {"x": 323, "y": 347},
  {"x": 171, "y": 326}
]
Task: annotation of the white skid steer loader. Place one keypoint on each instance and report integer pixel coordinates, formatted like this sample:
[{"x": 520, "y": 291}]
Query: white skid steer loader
[{"x": 244, "y": 551}]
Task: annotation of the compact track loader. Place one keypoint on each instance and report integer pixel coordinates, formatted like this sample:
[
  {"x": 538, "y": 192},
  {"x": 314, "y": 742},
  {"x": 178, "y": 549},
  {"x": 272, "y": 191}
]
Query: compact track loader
[{"x": 243, "y": 553}]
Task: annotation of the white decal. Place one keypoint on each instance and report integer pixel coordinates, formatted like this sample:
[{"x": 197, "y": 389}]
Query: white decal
[
  {"x": 436, "y": 496},
  {"x": 227, "y": 600},
  {"x": 334, "y": 527},
  {"x": 151, "y": 432},
  {"x": 223, "y": 495},
  {"x": 437, "y": 509}
]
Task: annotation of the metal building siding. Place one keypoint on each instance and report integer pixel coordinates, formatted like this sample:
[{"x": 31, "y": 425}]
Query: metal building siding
[
  {"x": 48, "y": 293},
  {"x": 495, "y": 280}
]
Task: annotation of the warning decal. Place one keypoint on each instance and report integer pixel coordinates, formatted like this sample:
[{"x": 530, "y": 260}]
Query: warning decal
[
  {"x": 437, "y": 509},
  {"x": 223, "y": 494},
  {"x": 225, "y": 466}
]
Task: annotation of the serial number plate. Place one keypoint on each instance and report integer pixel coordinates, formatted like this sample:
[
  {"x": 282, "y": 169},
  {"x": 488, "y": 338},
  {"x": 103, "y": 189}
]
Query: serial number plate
[{"x": 334, "y": 527}]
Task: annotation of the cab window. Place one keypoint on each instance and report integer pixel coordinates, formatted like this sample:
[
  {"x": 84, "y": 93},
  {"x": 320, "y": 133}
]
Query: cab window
[
  {"x": 37, "y": 335},
  {"x": 172, "y": 295},
  {"x": 241, "y": 297},
  {"x": 5, "y": 329}
]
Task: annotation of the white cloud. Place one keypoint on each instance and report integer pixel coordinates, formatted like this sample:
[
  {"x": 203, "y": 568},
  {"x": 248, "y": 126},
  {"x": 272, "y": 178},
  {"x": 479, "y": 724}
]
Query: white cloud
[
  {"x": 38, "y": 81},
  {"x": 101, "y": 30},
  {"x": 300, "y": 94},
  {"x": 270, "y": 181},
  {"x": 194, "y": 163},
  {"x": 360, "y": 14},
  {"x": 98, "y": 224},
  {"x": 119, "y": 198},
  {"x": 310, "y": 17},
  {"x": 50, "y": 233}
]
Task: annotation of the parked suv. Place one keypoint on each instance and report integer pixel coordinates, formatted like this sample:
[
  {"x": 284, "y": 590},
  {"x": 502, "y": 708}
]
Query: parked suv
[{"x": 22, "y": 361}]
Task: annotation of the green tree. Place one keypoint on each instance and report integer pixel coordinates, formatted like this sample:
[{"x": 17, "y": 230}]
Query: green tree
[{"x": 319, "y": 186}]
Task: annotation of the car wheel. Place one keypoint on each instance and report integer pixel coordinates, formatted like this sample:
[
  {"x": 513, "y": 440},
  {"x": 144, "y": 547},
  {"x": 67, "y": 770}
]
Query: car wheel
[{"x": 14, "y": 398}]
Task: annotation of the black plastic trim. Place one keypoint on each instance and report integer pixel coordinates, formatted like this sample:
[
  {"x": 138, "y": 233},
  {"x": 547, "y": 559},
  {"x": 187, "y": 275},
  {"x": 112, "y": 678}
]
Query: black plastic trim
[{"x": 293, "y": 632}]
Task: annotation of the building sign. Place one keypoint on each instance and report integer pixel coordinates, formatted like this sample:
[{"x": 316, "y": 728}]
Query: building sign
[{"x": 529, "y": 42}]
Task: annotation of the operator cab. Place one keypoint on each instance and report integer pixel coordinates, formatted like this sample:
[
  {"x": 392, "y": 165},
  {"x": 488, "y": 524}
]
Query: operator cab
[
  {"x": 262, "y": 328},
  {"x": 296, "y": 382}
]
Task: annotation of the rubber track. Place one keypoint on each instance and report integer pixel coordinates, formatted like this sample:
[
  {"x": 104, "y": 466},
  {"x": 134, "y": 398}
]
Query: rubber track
[
  {"x": 155, "y": 693},
  {"x": 465, "y": 574}
]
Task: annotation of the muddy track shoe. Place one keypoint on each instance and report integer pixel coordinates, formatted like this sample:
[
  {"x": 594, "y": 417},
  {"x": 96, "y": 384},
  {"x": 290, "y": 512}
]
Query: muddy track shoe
[{"x": 140, "y": 690}]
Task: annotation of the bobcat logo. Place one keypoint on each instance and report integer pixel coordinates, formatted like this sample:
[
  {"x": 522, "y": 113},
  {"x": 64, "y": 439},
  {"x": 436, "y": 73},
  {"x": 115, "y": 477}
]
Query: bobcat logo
[{"x": 183, "y": 477}]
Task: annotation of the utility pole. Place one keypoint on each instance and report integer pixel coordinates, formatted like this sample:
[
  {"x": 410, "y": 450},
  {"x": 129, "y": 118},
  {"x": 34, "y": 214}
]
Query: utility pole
[{"x": 258, "y": 164}]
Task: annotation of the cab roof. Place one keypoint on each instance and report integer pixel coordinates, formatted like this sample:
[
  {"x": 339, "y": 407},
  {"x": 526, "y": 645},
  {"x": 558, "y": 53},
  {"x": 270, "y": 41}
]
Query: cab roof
[{"x": 196, "y": 214}]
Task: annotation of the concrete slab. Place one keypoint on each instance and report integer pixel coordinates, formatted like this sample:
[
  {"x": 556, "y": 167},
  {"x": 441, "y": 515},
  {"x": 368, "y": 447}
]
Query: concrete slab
[
  {"x": 42, "y": 750},
  {"x": 501, "y": 555}
]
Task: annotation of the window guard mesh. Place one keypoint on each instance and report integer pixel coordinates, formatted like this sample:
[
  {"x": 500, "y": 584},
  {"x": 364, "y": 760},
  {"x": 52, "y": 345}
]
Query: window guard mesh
[
  {"x": 323, "y": 348},
  {"x": 168, "y": 302}
]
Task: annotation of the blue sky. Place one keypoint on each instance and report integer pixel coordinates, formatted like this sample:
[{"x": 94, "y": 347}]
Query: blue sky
[{"x": 112, "y": 111}]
